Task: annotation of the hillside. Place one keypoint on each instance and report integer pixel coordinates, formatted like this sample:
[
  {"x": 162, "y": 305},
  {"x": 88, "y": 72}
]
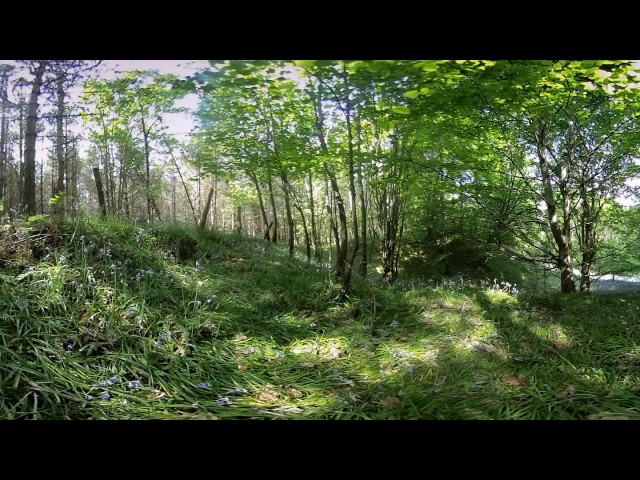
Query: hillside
[{"x": 118, "y": 321}]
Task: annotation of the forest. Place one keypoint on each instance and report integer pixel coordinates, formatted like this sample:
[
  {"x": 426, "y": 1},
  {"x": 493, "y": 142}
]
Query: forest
[{"x": 329, "y": 240}]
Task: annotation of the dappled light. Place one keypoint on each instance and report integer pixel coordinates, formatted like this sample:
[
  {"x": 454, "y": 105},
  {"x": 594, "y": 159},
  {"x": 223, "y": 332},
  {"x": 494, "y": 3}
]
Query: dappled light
[{"x": 320, "y": 239}]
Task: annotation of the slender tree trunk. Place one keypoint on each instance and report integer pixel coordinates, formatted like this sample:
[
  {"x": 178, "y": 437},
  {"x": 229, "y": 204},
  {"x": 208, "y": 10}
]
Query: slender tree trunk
[
  {"x": 184, "y": 184},
  {"x": 307, "y": 238},
  {"x": 341, "y": 241},
  {"x": 42, "y": 186},
  {"x": 346, "y": 282},
  {"x": 4, "y": 83},
  {"x": 29, "y": 192},
  {"x": 317, "y": 248},
  {"x": 331, "y": 213},
  {"x": 205, "y": 213},
  {"x": 215, "y": 203},
  {"x": 254, "y": 179},
  {"x": 99, "y": 188},
  {"x": 286, "y": 188},
  {"x": 274, "y": 237},
  {"x": 21, "y": 145},
  {"x": 60, "y": 141},
  {"x": 173, "y": 198},
  {"x": 238, "y": 220},
  {"x": 588, "y": 219},
  {"x": 147, "y": 178},
  {"x": 363, "y": 204},
  {"x": 560, "y": 235}
]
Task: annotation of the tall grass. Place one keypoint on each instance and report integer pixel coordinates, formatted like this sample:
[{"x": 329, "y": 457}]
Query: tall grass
[{"x": 122, "y": 321}]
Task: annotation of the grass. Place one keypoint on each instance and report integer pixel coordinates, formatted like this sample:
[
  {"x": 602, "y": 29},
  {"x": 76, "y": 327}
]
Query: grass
[{"x": 172, "y": 323}]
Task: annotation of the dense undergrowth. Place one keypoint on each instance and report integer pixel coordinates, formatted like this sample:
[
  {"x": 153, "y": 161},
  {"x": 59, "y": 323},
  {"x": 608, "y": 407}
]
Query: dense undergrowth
[{"x": 118, "y": 321}]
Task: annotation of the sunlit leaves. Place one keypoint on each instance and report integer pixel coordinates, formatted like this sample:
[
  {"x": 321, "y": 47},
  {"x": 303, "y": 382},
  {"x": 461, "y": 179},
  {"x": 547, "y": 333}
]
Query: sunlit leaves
[{"x": 401, "y": 109}]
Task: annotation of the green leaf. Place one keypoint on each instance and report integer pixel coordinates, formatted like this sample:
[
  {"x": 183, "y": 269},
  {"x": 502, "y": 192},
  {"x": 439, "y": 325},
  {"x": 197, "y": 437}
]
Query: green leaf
[
  {"x": 412, "y": 94},
  {"x": 305, "y": 63},
  {"x": 401, "y": 109}
]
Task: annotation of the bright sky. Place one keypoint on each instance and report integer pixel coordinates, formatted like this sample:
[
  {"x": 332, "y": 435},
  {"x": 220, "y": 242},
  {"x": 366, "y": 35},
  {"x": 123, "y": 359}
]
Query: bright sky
[{"x": 178, "y": 124}]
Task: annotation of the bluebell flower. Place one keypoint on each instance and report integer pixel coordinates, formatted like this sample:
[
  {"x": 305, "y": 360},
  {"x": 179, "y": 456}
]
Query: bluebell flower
[
  {"x": 249, "y": 351},
  {"x": 232, "y": 391},
  {"x": 223, "y": 402},
  {"x": 204, "y": 385},
  {"x": 135, "y": 385},
  {"x": 105, "y": 396},
  {"x": 106, "y": 383},
  {"x": 114, "y": 380},
  {"x": 89, "y": 397}
]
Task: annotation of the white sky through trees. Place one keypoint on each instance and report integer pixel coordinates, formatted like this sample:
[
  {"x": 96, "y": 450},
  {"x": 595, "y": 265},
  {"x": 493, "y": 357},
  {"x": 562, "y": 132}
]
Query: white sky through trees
[{"x": 178, "y": 124}]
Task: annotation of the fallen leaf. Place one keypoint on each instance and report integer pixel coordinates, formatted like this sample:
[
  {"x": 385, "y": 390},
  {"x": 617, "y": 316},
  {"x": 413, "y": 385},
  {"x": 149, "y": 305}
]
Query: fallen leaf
[
  {"x": 240, "y": 336},
  {"x": 567, "y": 392},
  {"x": 483, "y": 347},
  {"x": 559, "y": 345},
  {"x": 242, "y": 366},
  {"x": 295, "y": 393},
  {"x": 390, "y": 402},
  {"x": 267, "y": 396},
  {"x": 511, "y": 380},
  {"x": 328, "y": 392},
  {"x": 333, "y": 354},
  {"x": 159, "y": 394}
]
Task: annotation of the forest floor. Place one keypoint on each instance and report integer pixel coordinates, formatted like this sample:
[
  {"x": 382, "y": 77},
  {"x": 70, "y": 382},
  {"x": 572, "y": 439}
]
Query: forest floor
[{"x": 117, "y": 321}]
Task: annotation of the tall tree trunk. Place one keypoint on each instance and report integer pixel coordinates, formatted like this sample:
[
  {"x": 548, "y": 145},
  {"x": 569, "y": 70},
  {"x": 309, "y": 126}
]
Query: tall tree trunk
[
  {"x": 274, "y": 237},
  {"x": 588, "y": 218},
  {"x": 21, "y": 145},
  {"x": 363, "y": 204},
  {"x": 346, "y": 282},
  {"x": 100, "y": 189},
  {"x": 238, "y": 220},
  {"x": 215, "y": 203},
  {"x": 173, "y": 198},
  {"x": 205, "y": 213},
  {"x": 331, "y": 213},
  {"x": 254, "y": 179},
  {"x": 5, "y": 70},
  {"x": 307, "y": 238},
  {"x": 561, "y": 235},
  {"x": 29, "y": 192},
  {"x": 341, "y": 241},
  {"x": 286, "y": 188},
  {"x": 60, "y": 142},
  {"x": 184, "y": 184},
  {"x": 147, "y": 178},
  {"x": 317, "y": 248}
]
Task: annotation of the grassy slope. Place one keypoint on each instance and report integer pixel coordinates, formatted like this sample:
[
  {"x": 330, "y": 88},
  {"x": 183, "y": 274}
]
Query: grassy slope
[{"x": 263, "y": 332}]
